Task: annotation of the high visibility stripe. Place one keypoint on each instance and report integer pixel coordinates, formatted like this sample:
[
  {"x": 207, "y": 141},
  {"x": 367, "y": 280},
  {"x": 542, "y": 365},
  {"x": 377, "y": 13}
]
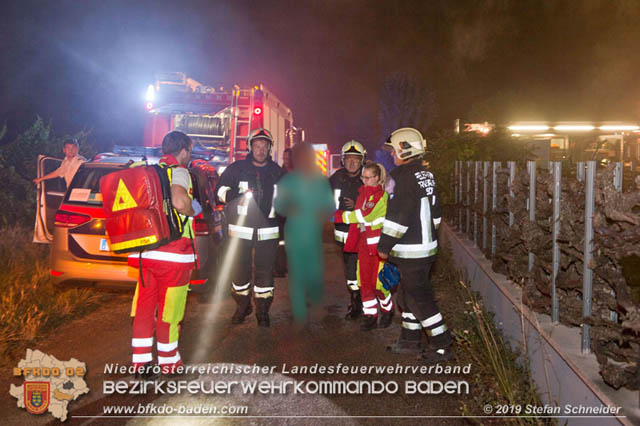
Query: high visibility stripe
[
  {"x": 281, "y": 243},
  {"x": 369, "y": 311},
  {"x": 378, "y": 221},
  {"x": 336, "y": 197},
  {"x": 393, "y": 229},
  {"x": 408, "y": 315},
  {"x": 142, "y": 358},
  {"x": 414, "y": 251},
  {"x": 437, "y": 331},
  {"x": 352, "y": 284},
  {"x": 433, "y": 201},
  {"x": 142, "y": 343},
  {"x": 340, "y": 236},
  {"x": 268, "y": 233},
  {"x": 257, "y": 289},
  {"x": 244, "y": 232},
  {"x": 167, "y": 347},
  {"x": 240, "y": 287},
  {"x": 425, "y": 220},
  {"x": 386, "y": 300},
  {"x": 373, "y": 240},
  {"x": 168, "y": 359},
  {"x": 243, "y": 186},
  {"x": 222, "y": 193},
  {"x": 135, "y": 243},
  {"x": 165, "y": 256},
  {"x": 411, "y": 325},
  {"x": 432, "y": 320},
  {"x": 359, "y": 216},
  {"x": 243, "y": 210},
  {"x": 437, "y": 221},
  {"x": 369, "y": 303},
  {"x": 272, "y": 213}
]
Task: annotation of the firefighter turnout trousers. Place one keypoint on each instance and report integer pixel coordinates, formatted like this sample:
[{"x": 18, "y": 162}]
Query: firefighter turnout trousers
[
  {"x": 419, "y": 309},
  {"x": 350, "y": 268},
  {"x": 165, "y": 288},
  {"x": 261, "y": 255}
]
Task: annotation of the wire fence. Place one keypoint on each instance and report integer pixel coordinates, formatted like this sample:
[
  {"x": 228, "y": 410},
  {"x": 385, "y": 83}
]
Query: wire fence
[{"x": 570, "y": 237}]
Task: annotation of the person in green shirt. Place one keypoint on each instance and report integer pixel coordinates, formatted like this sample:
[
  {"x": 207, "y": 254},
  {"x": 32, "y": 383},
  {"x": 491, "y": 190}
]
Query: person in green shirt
[{"x": 304, "y": 197}]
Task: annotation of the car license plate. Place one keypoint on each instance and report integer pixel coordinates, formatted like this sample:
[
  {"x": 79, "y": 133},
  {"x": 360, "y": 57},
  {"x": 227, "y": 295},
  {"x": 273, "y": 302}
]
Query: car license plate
[{"x": 104, "y": 245}]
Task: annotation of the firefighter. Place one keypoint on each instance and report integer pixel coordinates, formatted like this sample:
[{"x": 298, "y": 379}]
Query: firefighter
[
  {"x": 165, "y": 271},
  {"x": 409, "y": 240},
  {"x": 345, "y": 184},
  {"x": 371, "y": 207},
  {"x": 248, "y": 188}
]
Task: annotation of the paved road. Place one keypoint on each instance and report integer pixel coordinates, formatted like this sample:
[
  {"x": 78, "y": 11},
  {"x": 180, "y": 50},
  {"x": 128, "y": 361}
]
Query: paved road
[{"x": 208, "y": 337}]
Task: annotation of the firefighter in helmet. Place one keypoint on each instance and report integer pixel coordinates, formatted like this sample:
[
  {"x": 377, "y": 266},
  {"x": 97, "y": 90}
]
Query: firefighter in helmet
[
  {"x": 345, "y": 184},
  {"x": 409, "y": 241},
  {"x": 247, "y": 187}
]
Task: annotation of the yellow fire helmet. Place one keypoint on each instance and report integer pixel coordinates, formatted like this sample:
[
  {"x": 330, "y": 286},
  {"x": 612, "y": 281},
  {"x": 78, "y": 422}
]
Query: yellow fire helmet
[{"x": 407, "y": 142}]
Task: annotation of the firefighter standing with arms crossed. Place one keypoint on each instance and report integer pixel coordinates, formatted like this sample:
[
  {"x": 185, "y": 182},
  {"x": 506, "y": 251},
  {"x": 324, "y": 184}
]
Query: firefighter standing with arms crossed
[
  {"x": 409, "y": 241},
  {"x": 345, "y": 184},
  {"x": 248, "y": 188},
  {"x": 166, "y": 270}
]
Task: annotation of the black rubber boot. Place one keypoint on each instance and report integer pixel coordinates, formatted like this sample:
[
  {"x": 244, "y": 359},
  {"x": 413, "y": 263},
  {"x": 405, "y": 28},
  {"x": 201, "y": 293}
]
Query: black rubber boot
[
  {"x": 262, "y": 311},
  {"x": 385, "y": 319},
  {"x": 408, "y": 343},
  {"x": 355, "y": 307},
  {"x": 243, "y": 309},
  {"x": 369, "y": 322},
  {"x": 438, "y": 350}
]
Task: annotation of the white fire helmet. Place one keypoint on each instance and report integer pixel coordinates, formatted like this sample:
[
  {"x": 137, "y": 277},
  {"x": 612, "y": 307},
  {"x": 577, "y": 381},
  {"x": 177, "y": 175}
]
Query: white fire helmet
[
  {"x": 353, "y": 147},
  {"x": 260, "y": 133},
  {"x": 406, "y": 142}
]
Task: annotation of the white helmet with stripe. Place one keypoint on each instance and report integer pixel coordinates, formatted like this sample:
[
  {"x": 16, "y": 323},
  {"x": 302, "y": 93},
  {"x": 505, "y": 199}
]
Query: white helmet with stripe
[{"x": 353, "y": 147}]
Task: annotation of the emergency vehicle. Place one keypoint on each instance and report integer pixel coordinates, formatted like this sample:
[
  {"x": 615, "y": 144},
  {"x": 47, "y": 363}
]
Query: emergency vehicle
[{"x": 217, "y": 119}]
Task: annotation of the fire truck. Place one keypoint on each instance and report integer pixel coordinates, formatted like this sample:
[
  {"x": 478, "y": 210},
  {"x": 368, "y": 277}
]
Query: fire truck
[{"x": 217, "y": 119}]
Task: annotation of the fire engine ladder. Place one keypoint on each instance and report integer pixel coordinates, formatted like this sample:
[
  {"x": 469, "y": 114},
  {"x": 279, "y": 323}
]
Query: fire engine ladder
[{"x": 241, "y": 115}]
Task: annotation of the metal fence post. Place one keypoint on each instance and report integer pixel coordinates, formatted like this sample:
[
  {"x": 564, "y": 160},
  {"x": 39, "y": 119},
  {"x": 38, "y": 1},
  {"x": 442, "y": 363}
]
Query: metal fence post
[
  {"x": 468, "y": 197},
  {"x": 580, "y": 171},
  {"x": 475, "y": 203},
  {"x": 485, "y": 203},
  {"x": 587, "y": 272},
  {"x": 512, "y": 177},
  {"x": 531, "y": 166},
  {"x": 617, "y": 183},
  {"x": 455, "y": 187},
  {"x": 494, "y": 205},
  {"x": 460, "y": 196},
  {"x": 557, "y": 193}
]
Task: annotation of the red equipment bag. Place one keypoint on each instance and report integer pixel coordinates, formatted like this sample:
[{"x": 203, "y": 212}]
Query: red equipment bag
[{"x": 138, "y": 210}]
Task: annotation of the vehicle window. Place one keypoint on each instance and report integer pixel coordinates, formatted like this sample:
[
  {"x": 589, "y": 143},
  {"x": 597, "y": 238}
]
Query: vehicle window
[{"x": 85, "y": 186}]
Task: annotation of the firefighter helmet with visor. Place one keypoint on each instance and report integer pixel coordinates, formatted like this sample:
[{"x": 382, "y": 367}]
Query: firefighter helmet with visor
[
  {"x": 260, "y": 133},
  {"x": 353, "y": 147},
  {"x": 406, "y": 142}
]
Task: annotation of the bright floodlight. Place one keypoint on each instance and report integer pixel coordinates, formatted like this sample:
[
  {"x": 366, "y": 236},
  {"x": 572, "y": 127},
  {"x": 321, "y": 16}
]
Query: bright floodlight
[
  {"x": 248, "y": 194},
  {"x": 574, "y": 127},
  {"x": 151, "y": 93},
  {"x": 620, "y": 127},
  {"x": 528, "y": 127}
]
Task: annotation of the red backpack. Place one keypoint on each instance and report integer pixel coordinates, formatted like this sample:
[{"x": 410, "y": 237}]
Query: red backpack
[{"x": 138, "y": 210}]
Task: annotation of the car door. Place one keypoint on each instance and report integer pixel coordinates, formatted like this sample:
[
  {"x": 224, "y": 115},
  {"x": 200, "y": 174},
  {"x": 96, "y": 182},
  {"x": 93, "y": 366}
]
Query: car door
[{"x": 49, "y": 196}]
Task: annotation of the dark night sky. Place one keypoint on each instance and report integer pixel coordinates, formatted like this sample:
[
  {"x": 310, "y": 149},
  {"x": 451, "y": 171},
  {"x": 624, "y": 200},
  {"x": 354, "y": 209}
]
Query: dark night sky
[{"x": 86, "y": 64}]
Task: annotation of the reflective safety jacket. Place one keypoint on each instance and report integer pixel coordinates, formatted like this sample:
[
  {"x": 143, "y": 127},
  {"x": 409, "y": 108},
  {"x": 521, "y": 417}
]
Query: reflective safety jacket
[
  {"x": 248, "y": 193},
  {"x": 371, "y": 207},
  {"x": 409, "y": 231},
  {"x": 180, "y": 253},
  {"x": 343, "y": 186}
]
